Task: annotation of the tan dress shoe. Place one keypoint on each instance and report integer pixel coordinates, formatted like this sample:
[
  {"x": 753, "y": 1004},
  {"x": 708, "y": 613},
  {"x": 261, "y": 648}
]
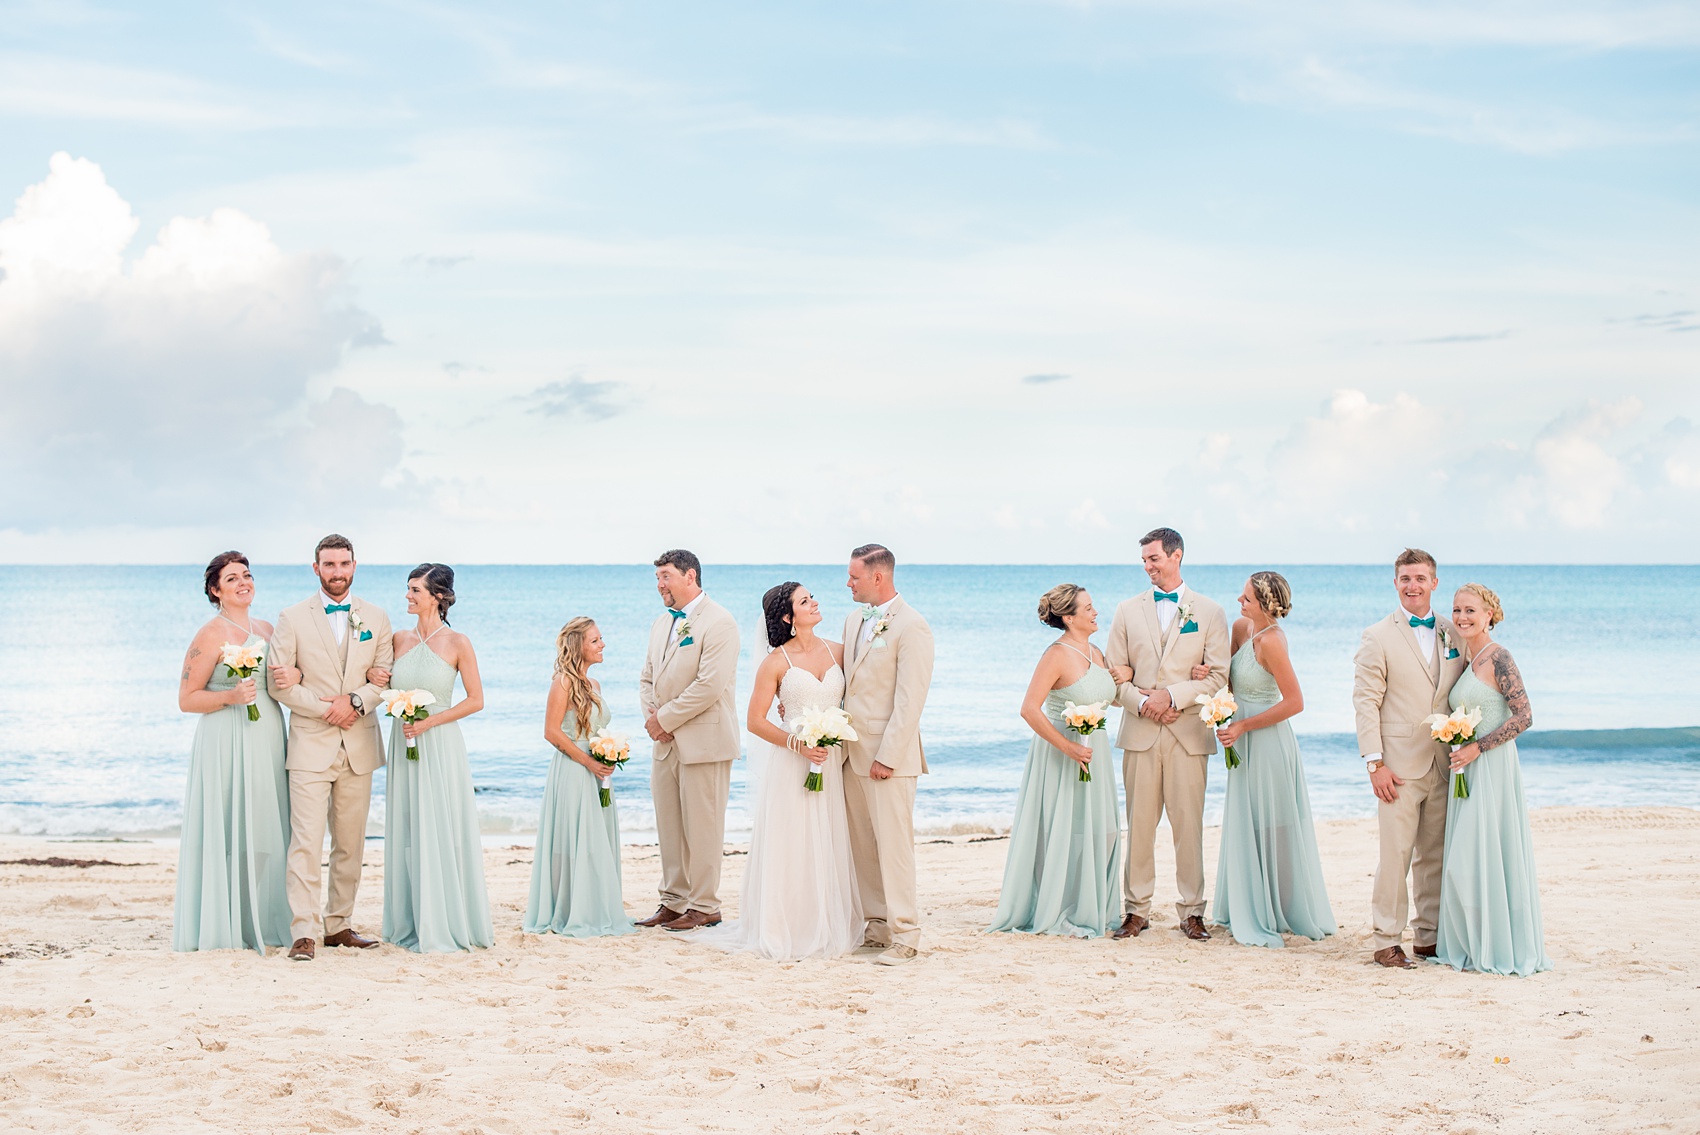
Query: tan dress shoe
[
  {"x": 691, "y": 920},
  {"x": 1131, "y": 926},
  {"x": 302, "y": 951},
  {"x": 347, "y": 937},
  {"x": 897, "y": 955},
  {"x": 662, "y": 916},
  {"x": 1193, "y": 927},
  {"x": 1393, "y": 957}
]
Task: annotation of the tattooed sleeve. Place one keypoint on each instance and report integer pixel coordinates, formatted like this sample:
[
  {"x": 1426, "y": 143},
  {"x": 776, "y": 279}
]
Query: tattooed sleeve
[{"x": 1510, "y": 685}]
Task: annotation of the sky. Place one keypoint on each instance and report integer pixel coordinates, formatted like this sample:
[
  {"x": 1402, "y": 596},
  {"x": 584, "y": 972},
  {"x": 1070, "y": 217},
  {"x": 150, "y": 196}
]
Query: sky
[{"x": 989, "y": 281}]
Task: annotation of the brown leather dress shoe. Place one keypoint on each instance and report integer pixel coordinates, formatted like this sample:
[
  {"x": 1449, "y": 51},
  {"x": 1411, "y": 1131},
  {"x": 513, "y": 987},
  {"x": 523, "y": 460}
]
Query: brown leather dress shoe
[
  {"x": 1193, "y": 927},
  {"x": 347, "y": 937},
  {"x": 1425, "y": 951},
  {"x": 662, "y": 916},
  {"x": 691, "y": 920},
  {"x": 1131, "y": 926},
  {"x": 1393, "y": 957},
  {"x": 302, "y": 951}
]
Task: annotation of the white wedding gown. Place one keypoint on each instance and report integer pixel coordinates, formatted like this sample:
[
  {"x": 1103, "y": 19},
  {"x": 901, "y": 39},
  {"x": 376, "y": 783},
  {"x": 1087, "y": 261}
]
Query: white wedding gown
[{"x": 799, "y": 898}]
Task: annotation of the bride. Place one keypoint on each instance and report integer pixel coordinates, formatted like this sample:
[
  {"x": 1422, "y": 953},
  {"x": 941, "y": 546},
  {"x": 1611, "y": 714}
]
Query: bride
[{"x": 799, "y": 898}]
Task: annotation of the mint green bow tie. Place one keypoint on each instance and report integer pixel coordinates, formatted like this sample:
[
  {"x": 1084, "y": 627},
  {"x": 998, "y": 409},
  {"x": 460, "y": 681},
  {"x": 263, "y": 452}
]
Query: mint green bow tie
[
  {"x": 1171, "y": 596},
  {"x": 333, "y": 608},
  {"x": 869, "y": 611},
  {"x": 1428, "y": 622},
  {"x": 675, "y": 614}
]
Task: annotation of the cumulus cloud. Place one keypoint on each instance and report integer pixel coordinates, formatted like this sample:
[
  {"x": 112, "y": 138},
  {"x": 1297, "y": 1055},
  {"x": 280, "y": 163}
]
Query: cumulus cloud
[{"x": 163, "y": 388}]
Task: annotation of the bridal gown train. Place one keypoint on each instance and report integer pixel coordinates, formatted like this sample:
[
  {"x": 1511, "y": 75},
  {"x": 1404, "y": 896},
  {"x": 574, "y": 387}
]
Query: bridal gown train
[{"x": 799, "y": 898}]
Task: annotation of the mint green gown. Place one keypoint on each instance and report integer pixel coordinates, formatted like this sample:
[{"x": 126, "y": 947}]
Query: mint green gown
[
  {"x": 1063, "y": 874},
  {"x": 1490, "y": 906},
  {"x": 575, "y": 872},
  {"x": 230, "y": 858},
  {"x": 1268, "y": 871},
  {"x": 434, "y": 897}
]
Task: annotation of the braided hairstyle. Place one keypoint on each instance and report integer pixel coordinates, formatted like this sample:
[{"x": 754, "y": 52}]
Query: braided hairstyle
[
  {"x": 439, "y": 584},
  {"x": 776, "y": 608},
  {"x": 1273, "y": 593},
  {"x": 1490, "y": 600},
  {"x": 571, "y": 671}
]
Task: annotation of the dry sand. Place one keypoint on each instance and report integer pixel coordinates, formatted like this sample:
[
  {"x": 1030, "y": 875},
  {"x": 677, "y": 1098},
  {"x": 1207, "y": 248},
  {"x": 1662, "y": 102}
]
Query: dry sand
[{"x": 105, "y": 1029}]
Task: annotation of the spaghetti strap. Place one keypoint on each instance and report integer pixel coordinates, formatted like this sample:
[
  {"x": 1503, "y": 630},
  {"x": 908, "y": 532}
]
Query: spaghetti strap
[
  {"x": 789, "y": 665},
  {"x": 1078, "y": 651}
]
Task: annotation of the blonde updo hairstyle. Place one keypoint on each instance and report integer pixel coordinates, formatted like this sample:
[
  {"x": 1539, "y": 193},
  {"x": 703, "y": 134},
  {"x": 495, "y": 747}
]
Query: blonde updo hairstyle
[
  {"x": 572, "y": 672},
  {"x": 1273, "y": 593},
  {"x": 1496, "y": 613},
  {"x": 1059, "y": 601}
]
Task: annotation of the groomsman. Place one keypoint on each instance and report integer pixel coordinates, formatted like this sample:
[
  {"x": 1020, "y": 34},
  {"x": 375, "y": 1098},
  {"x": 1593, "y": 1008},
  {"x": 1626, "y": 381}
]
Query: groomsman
[
  {"x": 1155, "y": 640},
  {"x": 333, "y": 638},
  {"x": 1403, "y": 672},
  {"x": 686, "y": 690}
]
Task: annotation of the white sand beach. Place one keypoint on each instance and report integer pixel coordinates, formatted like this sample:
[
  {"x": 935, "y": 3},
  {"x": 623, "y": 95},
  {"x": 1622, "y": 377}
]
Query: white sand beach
[{"x": 105, "y": 1029}]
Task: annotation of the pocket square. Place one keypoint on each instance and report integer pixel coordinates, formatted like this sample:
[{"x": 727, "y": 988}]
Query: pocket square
[
  {"x": 365, "y": 635},
  {"x": 1189, "y": 627},
  {"x": 686, "y": 641},
  {"x": 1451, "y": 654}
]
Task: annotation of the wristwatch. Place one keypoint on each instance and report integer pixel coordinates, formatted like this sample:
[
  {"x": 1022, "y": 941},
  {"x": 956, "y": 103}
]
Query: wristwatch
[
  {"x": 359, "y": 706},
  {"x": 1373, "y": 767}
]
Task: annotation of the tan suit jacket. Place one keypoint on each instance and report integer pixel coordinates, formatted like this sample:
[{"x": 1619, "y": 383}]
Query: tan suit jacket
[
  {"x": 1165, "y": 661},
  {"x": 304, "y": 639},
  {"x": 691, "y": 688},
  {"x": 885, "y": 689},
  {"x": 1394, "y": 687}
]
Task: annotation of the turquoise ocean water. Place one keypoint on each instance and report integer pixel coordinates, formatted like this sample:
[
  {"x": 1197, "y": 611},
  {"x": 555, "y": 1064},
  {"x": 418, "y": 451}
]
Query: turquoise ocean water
[{"x": 92, "y": 743}]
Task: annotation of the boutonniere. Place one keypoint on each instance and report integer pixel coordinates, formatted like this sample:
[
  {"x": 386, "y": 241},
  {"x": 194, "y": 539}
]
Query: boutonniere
[
  {"x": 685, "y": 638},
  {"x": 1447, "y": 644},
  {"x": 1187, "y": 624},
  {"x": 356, "y": 623},
  {"x": 880, "y": 628}
]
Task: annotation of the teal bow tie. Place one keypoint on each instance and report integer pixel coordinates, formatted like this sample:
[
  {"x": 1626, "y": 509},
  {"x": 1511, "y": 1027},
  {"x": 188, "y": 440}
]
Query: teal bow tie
[
  {"x": 1428, "y": 622},
  {"x": 1171, "y": 596},
  {"x": 333, "y": 608},
  {"x": 675, "y": 614}
]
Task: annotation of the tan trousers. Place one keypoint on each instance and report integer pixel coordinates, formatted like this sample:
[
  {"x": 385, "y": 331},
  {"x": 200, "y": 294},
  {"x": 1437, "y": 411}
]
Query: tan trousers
[
  {"x": 882, "y": 846},
  {"x": 690, "y": 823},
  {"x": 1413, "y": 835},
  {"x": 347, "y": 797},
  {"x": 1164, "y": 778}
]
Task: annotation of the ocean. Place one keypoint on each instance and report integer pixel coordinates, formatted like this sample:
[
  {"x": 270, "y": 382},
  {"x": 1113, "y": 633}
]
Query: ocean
[{"x": 92, "y": 742}]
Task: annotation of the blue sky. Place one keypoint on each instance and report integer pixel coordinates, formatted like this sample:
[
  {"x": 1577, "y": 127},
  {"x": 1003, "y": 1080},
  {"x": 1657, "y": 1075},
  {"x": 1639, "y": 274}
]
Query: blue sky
[{"x": 988, "y": 282}]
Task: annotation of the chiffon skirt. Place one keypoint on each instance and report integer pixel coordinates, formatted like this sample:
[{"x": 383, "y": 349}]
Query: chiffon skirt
[
  {"x": 1063, "y": 874},
  {"x": 575, "y": 873},
  {"x": 1268, "y": 872},
  {"x": 434, "y": 897},
  {"x": 1490, "y": 906},
  {"x": 230, "y": 859}
]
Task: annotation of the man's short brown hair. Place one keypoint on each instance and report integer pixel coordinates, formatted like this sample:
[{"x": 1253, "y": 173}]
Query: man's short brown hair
[
  {"x": 334, "y": 541},
  {"x": 876, "y": 557},
  {"x": 1411, "y": 556}
]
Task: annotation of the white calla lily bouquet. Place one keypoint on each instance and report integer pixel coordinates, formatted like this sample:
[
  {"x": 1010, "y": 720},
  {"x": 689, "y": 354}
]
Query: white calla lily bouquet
[
  {"x": 409, "y": 705},
  {"x": 821, "y": 728}
]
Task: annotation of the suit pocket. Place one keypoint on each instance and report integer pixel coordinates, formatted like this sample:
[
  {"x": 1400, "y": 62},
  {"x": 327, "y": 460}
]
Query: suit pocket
[
  {"x": 875, "y": 725},
  {"x": 1389, "y": 730}
]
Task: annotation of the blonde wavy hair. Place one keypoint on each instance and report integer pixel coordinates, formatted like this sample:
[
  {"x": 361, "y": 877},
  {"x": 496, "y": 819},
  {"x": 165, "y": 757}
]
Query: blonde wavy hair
[
  {"x": 1273, "y": 593},
  {"x": 1060, "y": 600},
  {"x": 1490, "y": 600},
  {"x": 572, "y": 672}
]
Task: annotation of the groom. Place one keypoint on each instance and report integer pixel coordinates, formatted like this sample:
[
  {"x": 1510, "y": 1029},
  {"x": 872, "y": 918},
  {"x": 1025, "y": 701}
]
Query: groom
[
  {"x": 1403, "y": 672},
  {"x": 686, "y": 690},
  {"x": 1156, "y": 639},
  {"x": 888, "y": 653},
  {"x": 333, "y": 638}
]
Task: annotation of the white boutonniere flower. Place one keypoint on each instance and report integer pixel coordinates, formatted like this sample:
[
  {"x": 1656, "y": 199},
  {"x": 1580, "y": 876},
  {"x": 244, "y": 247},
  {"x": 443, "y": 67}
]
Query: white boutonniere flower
[
  {"x": 358, "y": 626},
  {"x": 685, "y": 638},
  {"x": 1449, "y": 650},
  {"x": 1185, "y": 614},
  {"x": 880, "y": 628}
]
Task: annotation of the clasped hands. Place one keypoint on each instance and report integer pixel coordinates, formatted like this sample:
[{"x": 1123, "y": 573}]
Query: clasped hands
[
  {"x": 341, "y": 712},
  {"x": 653, "y": 728},
  {"x": 1159, "y": 706}
]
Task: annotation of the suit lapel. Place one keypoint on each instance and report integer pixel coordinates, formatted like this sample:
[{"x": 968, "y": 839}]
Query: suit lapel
[
  {"x": 852, "y": 646},
  {"x": 1153, "y": 626},
  {"x": 1402, "y": 627},
  {"x": 351, "y": 637},
  {"x": 322, "y": 623}
]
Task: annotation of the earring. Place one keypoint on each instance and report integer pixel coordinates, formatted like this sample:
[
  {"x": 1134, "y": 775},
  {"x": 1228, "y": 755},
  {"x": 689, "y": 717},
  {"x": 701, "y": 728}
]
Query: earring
[{"x": 793, "y": 630}]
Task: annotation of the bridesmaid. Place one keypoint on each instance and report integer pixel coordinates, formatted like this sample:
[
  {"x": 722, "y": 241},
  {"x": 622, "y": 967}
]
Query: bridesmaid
[
  {"x": 1063, "y": 875},
  {"x": 1268, "y": 872},
  {"x": 434, "y": 898},
  {"x": 1490, "y": 907},
  {"x": 575, "y": 873},
  {"x": 230, "y": 860}
]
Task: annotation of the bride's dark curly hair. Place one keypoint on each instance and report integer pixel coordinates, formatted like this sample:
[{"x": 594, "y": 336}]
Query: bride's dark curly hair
[{"x": 776, "y": 605}]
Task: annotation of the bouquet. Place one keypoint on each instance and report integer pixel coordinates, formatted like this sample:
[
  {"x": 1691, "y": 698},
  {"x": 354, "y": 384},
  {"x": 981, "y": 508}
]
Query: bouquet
[
  {"x": 242, "y": 661},
  {"x": 409, "y": 705},
  {"x": 611, "y": 749},
  {"x": 1215, "y": 710},
  {"x": 1086, "y": 720},
  {"x": 1457, "y": 729},
  {"x": 821, "y": 727}
]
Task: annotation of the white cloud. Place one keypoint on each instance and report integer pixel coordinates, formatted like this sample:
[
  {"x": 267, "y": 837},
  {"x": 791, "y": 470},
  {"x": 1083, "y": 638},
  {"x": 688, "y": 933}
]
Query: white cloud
[{"x": 177, "y": 385}]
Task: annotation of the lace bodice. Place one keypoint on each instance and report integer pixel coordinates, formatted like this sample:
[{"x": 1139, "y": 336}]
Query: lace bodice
[
  {"x": 800, "y": 691},
  {"x": 1248, "y": 678}
]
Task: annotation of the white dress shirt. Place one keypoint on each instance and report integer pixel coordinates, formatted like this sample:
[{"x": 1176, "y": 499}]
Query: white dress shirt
[
  {"x": 689, "y": 609},
  {"x": 339, "y": 619},
  {"x": 880, "y": 612}
]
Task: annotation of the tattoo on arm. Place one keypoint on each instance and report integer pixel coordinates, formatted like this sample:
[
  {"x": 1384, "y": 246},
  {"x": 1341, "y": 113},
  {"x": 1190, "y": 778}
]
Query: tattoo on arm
[
  {"x": 1509, "y": 681},
  {"x": 185, "y": 677}
]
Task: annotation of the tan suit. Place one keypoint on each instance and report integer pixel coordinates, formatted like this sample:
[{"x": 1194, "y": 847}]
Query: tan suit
[
  {"x": 885, "y": 689},
  {"x": 330, "y": 769},
  {"x": 1394, "y": 687},
  {"x": 1164, "y": 766},
  {"x": 691, "y": 688}
]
